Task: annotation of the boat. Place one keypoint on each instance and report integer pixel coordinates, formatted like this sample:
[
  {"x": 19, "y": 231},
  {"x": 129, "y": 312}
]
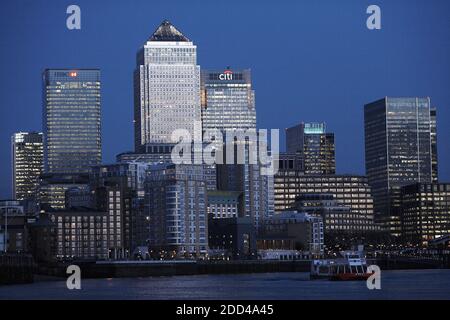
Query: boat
[{"x": 351, "y": 266}]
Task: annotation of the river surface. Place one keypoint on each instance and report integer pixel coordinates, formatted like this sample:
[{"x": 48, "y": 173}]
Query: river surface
[{"x": 398, "y": 284}]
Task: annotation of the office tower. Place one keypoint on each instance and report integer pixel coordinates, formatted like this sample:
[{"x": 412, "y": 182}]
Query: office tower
[
  {"x": 315, "y": 145},
  {"x": 71, "y": 120},
  {"x": 175, "y": 202},
  {"x": 166, "y": 87},
  {"x": 228, "y": 105},
  {"x": 425, "y": 214},
  {"x": 347, "y": 190},
  {"x": 398, "y": 147},
  {"x": 27, "y": 163},
  {"x": 228, "y": 100},
  {"x": 434, "y": 155}
]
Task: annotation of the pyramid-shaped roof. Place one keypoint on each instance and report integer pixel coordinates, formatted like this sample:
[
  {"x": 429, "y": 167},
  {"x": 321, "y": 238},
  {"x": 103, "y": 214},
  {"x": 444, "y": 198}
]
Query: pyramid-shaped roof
[{"x": 167, "y": 32}]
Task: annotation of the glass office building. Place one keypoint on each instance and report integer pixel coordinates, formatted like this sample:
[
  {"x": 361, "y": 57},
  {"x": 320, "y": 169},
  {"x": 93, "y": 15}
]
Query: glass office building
[
  {"x": 228, "y": 100},
  {"x": 425, "y": 212},
  {"x": 166, "y": 87},
  {"x": 228, "y": 105},
  {"x": 27, "y": 163},
  {"x": 71, "y": 120},
  {"x": 399, "y": 152},
  {"x": 315, "y": 145}
]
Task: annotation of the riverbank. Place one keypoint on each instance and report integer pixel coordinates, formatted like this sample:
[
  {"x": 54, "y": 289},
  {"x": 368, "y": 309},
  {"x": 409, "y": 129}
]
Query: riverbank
[{"x": 126, "y": 269}]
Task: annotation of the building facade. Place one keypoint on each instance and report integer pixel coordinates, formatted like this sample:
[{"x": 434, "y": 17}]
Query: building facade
[
  {"x": 71, "y": 120},
  {"x": 87, "y": 234},
  {"x": 291, "y": 230},
  {"x": 27, "y": 163},
  {"x": 434, "y": 154},
  {"x": 228, "y": 107},
  {"x": 425, "y": 212},
  {"x": 166, "y": 87},
  {"x": 232, "y": 238},
  {"x": 53, "y": 188},
  {"x": 228, "y": 100},
  {"x": 13, "y": 231},
  {"x": 348, "y": 190},
  {"x": 224, "y": 204},
  {"x": 175, "y": 204},
  {"x": 315, "y": 145},
  {"x": 399, "y": 144}
]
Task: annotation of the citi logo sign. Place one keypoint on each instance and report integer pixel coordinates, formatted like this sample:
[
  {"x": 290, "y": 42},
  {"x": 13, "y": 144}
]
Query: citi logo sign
[{"x": 226, "y": 75}]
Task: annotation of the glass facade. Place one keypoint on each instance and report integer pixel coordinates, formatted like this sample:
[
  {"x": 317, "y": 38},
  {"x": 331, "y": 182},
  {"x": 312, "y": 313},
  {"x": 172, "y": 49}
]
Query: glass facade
[
  {"x": 315, "y": 145},
  {"x": 27, "y": 156},
  {"x": 228, "y": 101},
  {"x": 398, "y": 147},
  {"x": 71, "y": 120},
  {"x": 425, "y": 212},
  {"x": 228, "y": 104},
  {"x": 166, "y": 87}
]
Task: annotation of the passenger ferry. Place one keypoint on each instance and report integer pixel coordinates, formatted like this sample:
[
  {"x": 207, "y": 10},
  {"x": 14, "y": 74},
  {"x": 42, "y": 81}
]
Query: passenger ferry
[{"x": 351, "y": 266}]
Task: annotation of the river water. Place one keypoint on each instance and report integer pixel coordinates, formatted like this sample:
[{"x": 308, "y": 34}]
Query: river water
[{"x": 398, "y": 284}]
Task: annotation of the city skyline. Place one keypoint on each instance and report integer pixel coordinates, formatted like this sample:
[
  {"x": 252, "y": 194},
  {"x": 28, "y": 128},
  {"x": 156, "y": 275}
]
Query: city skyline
[{"x": 121, "y": 140}]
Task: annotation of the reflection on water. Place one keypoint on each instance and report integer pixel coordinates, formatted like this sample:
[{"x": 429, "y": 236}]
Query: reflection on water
[{"x": 407, "y": 284}]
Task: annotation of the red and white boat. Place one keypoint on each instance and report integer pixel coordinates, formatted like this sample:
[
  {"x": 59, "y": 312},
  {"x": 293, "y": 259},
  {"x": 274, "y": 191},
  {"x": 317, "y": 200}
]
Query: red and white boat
[{"x": 351, "y": 266}]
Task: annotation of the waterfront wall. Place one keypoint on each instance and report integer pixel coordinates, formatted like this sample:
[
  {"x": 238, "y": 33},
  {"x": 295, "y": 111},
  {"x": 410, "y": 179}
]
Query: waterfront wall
[
  {"x": 16, "y": 268},
  {"x": 168, "y": 268},
  {"x": 119, "y": 269}
]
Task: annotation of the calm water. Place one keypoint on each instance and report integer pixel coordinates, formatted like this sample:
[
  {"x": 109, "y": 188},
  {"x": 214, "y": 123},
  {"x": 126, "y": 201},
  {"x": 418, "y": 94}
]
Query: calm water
[{"x": 411, "y": 284}]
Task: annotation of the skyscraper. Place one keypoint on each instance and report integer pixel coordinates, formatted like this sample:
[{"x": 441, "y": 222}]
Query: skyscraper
[
  {"x": 398, "y": 147},
  {"x": 71, "y": 120},
  {"x": 315, "y": 145},
  {"x": 228, "y": 105},
  {"x": 27, "y": 163},
  {"x": 228, "y": 100},
  {"x": 166, "y": 87}
]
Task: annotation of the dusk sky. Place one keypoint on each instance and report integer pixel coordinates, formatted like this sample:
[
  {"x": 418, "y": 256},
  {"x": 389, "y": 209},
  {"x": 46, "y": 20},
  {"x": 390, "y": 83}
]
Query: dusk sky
[{"x": 310, "y": 61}]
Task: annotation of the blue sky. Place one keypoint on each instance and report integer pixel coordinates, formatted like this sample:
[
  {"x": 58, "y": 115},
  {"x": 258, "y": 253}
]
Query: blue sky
[{"x": 310, "y": 60}]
